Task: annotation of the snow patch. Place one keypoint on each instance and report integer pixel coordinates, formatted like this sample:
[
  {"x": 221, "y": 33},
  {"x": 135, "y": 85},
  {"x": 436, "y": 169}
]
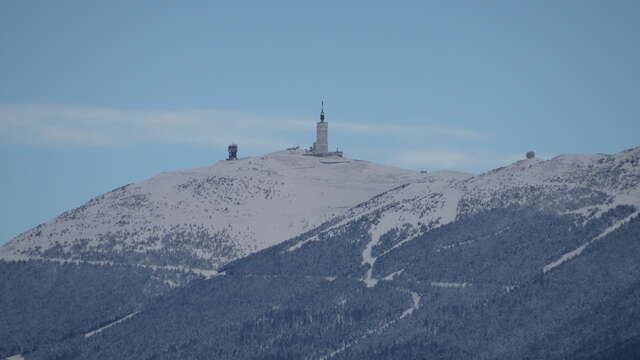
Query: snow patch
[
  {"x": 450, "y": 284},
  {"x": 97, "y": 331},
  {"x": 411, "y": 207},
  {"x": 393, "y": 275},
  {"x": 576, "y": 252},
  {"x": 385, "y": 224},
  {"x": 415, "y": 298}
]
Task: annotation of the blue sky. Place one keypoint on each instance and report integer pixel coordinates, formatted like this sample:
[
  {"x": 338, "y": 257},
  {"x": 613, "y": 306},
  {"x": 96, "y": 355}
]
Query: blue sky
[{"x": 95, "y": 95}]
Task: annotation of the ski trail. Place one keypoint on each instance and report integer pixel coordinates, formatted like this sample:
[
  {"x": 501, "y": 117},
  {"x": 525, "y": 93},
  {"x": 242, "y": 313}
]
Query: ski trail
[
  {"x": 369, "y": 259},
  {"x": 449, "y": 284},
  {"x": 97, "y": 331},
  {"x": 392, "y": 276},
  {"x": 384, "y": 225},
  {"x": 411, "y": 238},
  {"x": 415, "y": 305},
  {"x": 576, "y": 252},
  {"x": 443, "y": 212},
  {"x": 415, "y": 298}
]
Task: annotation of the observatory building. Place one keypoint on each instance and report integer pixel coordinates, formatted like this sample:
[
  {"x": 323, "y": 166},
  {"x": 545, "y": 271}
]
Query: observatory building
[
  {"x": 321, "y": 146},
  {"x": 233, "y": 152}
]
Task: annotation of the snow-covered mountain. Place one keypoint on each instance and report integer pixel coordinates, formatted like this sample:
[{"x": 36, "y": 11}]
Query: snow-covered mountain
[
  {"x": 205, "y": 217},
  {"x": 534, "y": 260},
  {"x": 584, "y": 186}
]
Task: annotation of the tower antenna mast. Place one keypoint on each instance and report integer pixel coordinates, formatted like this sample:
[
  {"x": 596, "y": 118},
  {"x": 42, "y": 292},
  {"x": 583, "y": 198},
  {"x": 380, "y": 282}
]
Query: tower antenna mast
[{"x": 320, "y": 147}]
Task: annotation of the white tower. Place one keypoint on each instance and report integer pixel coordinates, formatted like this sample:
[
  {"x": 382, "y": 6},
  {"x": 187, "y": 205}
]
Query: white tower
[{"x": 321, "y": 145}]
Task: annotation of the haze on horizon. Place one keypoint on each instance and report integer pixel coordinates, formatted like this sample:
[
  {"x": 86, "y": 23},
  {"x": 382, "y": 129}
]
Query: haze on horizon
[{"x": 98, "y": 95}]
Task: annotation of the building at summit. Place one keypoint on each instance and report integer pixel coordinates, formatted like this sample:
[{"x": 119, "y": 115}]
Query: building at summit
[{"x": 321, "y": 146}]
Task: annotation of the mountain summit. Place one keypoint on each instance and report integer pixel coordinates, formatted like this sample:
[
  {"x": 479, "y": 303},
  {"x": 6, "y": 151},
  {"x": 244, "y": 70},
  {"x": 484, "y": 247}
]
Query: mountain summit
[
  {"x": 535, "y": 260},
  {"x": 206, "y": 217}
]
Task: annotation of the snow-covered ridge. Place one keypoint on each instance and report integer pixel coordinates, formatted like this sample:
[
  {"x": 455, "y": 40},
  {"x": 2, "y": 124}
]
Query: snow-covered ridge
[
  {"x": 208, "y": 216},
  {"x": 586, "y": 186},
  {"x": 605, "y": 181}
]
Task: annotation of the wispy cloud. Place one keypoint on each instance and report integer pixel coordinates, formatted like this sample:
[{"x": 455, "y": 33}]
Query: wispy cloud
[
  {"x": 86, "y": 126},
  {"x": 438, "y": 158},
  {"x": 406, "y": 145},
  {"x": 453, "y": 159},
  {"x": 407, "y": 130},
  {"x": 78, "y": 126}
]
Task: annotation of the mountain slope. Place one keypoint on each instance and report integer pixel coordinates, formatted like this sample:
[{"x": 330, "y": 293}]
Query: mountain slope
[
  {"x": 581, "y": 188},
  {"x": 206, "y": 217},
  {"x": 535, "y": 260},
  {"x": 43, "y": 302}
]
